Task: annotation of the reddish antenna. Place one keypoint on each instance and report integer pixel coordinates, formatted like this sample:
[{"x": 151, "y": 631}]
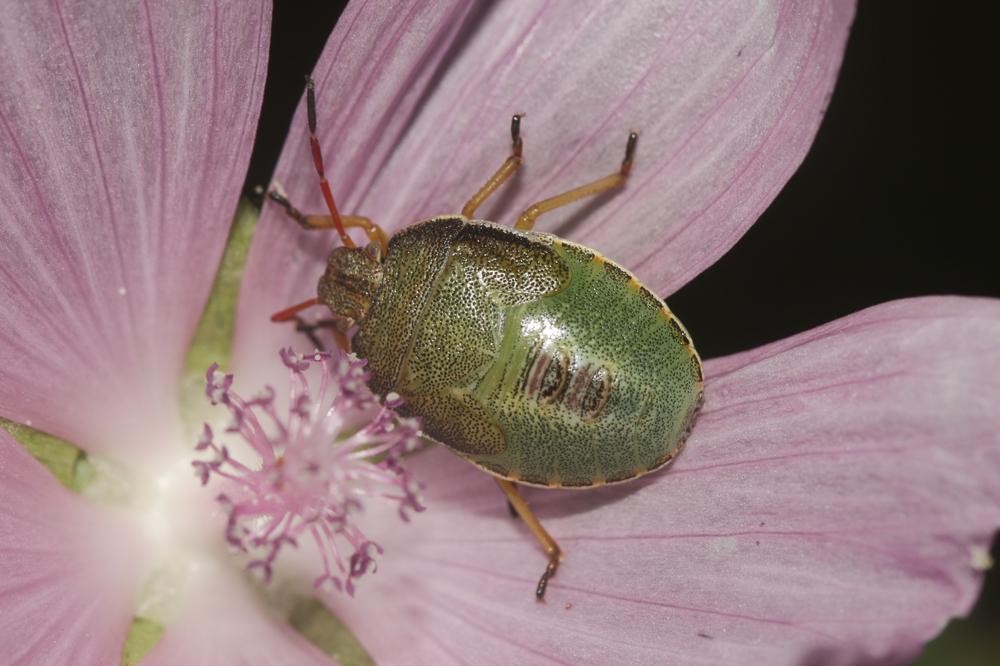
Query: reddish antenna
[{"x": 318, "y": 161}]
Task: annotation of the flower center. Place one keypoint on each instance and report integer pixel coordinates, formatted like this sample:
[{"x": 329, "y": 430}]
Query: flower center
[{"x": 302, "y": 476}]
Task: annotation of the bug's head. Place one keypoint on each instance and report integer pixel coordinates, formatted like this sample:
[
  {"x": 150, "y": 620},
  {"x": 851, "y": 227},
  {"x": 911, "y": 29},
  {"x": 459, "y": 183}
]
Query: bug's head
[{"x": 352, "y": 277}]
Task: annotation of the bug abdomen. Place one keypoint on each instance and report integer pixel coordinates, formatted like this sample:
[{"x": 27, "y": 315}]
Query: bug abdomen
[
  {"x": 595, "y": 384},
  {"x": 553, "y": 374}
]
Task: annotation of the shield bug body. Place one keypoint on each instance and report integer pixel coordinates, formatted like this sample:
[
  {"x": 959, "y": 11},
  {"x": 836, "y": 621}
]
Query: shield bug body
[{"x": 534, "y": 358}]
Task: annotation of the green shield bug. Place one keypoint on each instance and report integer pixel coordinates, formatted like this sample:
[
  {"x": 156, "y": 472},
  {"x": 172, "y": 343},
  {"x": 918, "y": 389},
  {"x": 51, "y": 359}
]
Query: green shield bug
[{"x": 534, "y": 358}]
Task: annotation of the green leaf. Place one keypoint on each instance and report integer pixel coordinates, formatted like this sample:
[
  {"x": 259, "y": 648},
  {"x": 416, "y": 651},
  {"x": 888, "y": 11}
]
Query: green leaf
[
  {"x": 143, "y": 634},
  {"x": 321, "y": 627}
]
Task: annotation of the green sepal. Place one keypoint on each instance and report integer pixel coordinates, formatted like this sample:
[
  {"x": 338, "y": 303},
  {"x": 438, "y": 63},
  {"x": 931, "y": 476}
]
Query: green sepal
[
  {"x": 213, "y": 338},
  {"x": 212, "y": 343},
  {"x": 142, "y": 635},
  {"x": 318, "y": 625},
  {"x": 66, "y": 461}
]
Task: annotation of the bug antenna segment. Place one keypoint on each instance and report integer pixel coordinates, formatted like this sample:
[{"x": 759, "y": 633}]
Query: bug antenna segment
[
  {"x": 317, "y": 155},
  {"x": 311, "y": 103}
]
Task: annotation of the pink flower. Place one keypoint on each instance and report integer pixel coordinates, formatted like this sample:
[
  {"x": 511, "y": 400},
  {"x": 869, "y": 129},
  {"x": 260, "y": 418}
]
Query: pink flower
[
  {"x": 302, "y": 487},
  {"x": 833, "y": 504}
]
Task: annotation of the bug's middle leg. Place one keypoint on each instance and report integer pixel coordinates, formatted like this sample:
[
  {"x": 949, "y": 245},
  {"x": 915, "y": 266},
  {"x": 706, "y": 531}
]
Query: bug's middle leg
[
  {"x": 373, "y": 231},
  {"x": 506, "y": 170},
  {"x": 526, "y": 221},
  {"x": 544, "y": 538}
]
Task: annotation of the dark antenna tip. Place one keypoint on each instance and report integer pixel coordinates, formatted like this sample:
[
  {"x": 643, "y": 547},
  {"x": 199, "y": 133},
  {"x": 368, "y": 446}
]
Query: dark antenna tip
[{"x": 311, "y": 103}]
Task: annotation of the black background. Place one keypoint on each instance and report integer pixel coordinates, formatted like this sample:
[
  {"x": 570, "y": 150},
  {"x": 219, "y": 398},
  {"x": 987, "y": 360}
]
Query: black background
[{"x": 895, "y": 199}]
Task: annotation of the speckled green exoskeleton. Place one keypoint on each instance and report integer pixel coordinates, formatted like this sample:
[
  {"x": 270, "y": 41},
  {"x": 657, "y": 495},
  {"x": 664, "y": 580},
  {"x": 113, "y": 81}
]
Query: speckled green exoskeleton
[{"x": 534, "y": 358}]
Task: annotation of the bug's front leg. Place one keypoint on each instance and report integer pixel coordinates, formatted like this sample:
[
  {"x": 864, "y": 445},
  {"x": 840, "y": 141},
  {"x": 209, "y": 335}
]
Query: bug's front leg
[
  {"x": 333, "y": 325},
  {"x": 374, "y": 232},
  {"x": 544, "y": 538}
]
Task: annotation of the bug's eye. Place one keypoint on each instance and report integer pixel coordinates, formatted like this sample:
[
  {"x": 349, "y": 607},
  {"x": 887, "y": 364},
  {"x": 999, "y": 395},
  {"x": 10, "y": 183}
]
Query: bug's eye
[{"x": 554, "y": 380}]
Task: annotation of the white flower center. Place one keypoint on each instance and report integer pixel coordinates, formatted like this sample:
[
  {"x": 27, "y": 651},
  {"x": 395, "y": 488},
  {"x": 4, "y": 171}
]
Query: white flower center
[{"x": 266, "y": 482}]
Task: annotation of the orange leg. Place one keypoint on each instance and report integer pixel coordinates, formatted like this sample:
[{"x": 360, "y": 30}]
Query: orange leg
[
  {"x": 373, "y": 231},
  {"x": 506, "y": 170},
  {"x": 526, "y": 221},
  {"x": 544, "y": 538},
  {"x": 292, "y": 313}
]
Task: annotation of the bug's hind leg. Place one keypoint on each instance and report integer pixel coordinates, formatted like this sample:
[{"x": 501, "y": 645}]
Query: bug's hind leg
[
  {"x": 373, "y": 231},
  {"x": 526, "y": 221},
  {"x": 544, "y": 538},
  {"x": 506, "y": 170}
]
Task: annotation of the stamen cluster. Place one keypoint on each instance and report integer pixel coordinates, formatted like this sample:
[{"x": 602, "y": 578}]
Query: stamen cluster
[{"x": 313, "y": 468}]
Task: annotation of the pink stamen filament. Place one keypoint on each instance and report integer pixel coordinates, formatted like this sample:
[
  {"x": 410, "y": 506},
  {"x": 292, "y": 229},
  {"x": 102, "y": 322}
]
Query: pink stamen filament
[{"x": 308, "y": 481}]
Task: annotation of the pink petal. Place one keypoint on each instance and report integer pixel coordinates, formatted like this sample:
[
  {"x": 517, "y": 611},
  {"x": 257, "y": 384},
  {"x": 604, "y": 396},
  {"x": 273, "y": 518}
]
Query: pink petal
[
  {"x": 827, "y": 509},
  {"x": 727, "y": 97},
  {"x": 125, "y": 131},
  {"x": 223, "y": 624},
  {"x": 377, "y": 65},
  {"x": 69, "y": 570}
]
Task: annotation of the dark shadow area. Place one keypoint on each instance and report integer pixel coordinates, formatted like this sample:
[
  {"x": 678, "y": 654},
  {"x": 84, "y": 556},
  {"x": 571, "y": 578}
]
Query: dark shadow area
[
  {"x": 299, "y": 30},
  {"x": 896, "y": 198}
]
